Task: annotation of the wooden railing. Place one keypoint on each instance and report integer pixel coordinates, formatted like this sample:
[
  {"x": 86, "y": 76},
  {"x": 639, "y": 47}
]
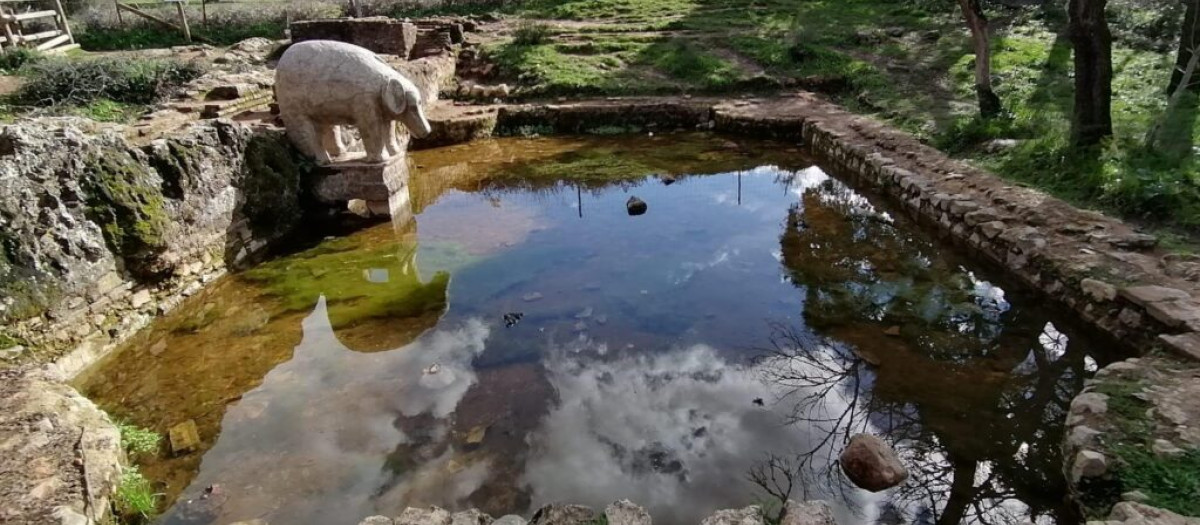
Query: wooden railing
[{"x": 15, "y": 13}]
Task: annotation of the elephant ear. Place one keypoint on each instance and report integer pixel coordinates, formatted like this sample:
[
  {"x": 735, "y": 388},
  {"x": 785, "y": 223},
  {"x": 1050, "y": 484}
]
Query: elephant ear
[{"x": 394, "y": 97}]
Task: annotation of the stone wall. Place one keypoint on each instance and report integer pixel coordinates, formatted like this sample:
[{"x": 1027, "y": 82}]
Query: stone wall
[
  {"x": 379, "y": 34},
  {"x": 99, "y": 236},
  {"x": 622, "y": 512}
]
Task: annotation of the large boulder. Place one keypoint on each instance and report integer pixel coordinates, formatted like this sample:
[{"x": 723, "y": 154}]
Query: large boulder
[
  {"x": 872, "y": 464},
  {"x": 470, "y": 517},
  {"x": 751, "y": 515},
  {"x": 808, "y": 513},
  {"x": 625, "y": 512},
  {"x": 558, "y": 514},
  {"x": 1131, "y": 513},
  {"x": 60, "y": 455},
  {"x": 425, "y": 516}
]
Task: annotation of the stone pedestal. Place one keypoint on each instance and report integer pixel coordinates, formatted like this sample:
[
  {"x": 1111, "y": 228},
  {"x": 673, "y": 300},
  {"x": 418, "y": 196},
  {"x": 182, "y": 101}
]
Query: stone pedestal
[{"x": 346, "y": 180}]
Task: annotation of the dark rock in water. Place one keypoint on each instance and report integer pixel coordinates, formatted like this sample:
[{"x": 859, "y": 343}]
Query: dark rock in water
[
  {"x": 511, "y": 319},
  {"x": 557, "y": 514},
  {"x": 667, "y": 180},
  {"x": 635, "y": 206},
  {"x": 872, "y": 464},
  {"x": 759, "y": 401}
]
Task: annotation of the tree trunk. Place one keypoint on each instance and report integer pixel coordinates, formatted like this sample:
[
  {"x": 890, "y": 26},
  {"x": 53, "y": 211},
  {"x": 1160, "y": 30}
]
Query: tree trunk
[
  {"x": 989, "y": 103},
  {"x": 1088, "y": 27},
  {"x": 1189, "y": 40}
]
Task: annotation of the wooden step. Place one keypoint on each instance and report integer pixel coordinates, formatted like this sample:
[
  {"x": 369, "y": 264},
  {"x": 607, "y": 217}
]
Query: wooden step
[
  {"x": 63, "y": 49},
  {"x": 42, "y": 36},
  {"x": 54, "y": 42},
  {"x": 35, "y": 14}
]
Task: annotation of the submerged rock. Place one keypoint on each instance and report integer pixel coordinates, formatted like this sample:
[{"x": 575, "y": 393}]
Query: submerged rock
[
  {"x": 872, "y": 464},
  {"x": 635, "y": 206},
  {"x": 558, "y": 514},
  {"x": 184, "y": 437}
]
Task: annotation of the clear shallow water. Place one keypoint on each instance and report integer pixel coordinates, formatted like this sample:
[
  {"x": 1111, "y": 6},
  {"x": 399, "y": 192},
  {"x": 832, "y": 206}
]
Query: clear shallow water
[{"x": 759, "y": 314}]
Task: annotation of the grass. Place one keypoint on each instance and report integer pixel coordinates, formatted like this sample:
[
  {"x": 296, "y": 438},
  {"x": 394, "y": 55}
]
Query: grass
[
  {"x": 1169, "y": 483},
  {"x": 1172, "y": 483},
  {"x": 135, "y": 500}
]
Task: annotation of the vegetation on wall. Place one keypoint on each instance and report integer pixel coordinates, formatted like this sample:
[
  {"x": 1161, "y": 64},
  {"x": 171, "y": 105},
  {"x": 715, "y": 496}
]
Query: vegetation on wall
[{"x": 125, "y": 202}]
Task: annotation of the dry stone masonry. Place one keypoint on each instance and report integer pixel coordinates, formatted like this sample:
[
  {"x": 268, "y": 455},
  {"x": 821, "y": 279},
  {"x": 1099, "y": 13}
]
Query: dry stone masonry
[{"x": 622, "y": 512}]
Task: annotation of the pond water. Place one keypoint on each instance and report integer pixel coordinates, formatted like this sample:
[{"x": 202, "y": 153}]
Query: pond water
[{"x": 514, "y": 337}]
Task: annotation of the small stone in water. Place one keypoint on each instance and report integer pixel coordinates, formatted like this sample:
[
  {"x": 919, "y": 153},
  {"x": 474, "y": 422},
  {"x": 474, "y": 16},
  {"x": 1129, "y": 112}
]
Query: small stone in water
[
  {"x": 531, "y": 297},
  {"x": 432, "y": 369},
  {"x": 511, "y": 319},
  {"x": 476, "y": 435},
  {"x": 635, "y": 206}
]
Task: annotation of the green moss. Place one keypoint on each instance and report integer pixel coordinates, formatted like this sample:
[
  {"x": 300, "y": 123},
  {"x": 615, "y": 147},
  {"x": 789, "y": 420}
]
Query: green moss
[
  {"x": 360, "y": 282},
  {"x": 8, "y": 341},
  {"x": 271, "y": 184},
  {"x": 174, "y": 164},
  {"x": 127, "y": 204}
]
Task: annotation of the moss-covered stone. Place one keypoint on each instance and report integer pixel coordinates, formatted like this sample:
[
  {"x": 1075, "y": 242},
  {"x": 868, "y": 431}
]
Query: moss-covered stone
[
  {"x": 174, "y": 163},
  {"x": 23, "y": 293},
  {"x": 124, "y": 199},
  {"x": 271, "y": 184}
]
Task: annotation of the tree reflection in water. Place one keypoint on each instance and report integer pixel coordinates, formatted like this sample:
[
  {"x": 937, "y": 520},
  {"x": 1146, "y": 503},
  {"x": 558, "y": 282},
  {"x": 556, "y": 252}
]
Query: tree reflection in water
[{"x": 918, "y": 350}]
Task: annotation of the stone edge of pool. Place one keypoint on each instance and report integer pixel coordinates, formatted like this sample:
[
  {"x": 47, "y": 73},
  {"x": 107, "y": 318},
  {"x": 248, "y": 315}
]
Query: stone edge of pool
[{"x": 1105, "y": 271}]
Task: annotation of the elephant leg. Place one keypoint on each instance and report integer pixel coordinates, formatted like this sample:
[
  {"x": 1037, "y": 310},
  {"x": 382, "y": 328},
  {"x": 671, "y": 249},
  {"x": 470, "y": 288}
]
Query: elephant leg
[
  {"x": 393, "y": 141},
  {"x": 303, "y": 132},
  {"x": 331, "y": 141},
  {"x": 374, "y": 137}
]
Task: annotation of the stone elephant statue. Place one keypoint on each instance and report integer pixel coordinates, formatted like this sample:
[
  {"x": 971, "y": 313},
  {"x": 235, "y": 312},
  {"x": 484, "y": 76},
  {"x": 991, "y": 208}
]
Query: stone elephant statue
[{"x": 321, "y": 85}]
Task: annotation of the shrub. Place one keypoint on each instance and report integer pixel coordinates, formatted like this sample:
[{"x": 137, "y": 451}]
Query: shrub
[
  {"x": 13, "y": 59},
  {"x": 531, "y": 33},
  {"x": 64, "y": 81}
]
